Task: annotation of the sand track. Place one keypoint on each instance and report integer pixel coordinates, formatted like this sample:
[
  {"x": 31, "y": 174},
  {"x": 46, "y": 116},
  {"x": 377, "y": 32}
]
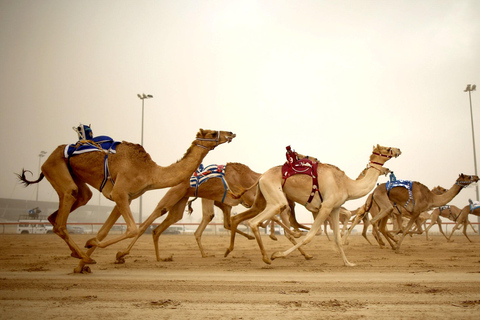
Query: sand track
[{"x": 433, "y": 279}]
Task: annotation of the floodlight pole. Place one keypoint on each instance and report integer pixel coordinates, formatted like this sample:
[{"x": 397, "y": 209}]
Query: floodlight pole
[
  {"x": 469, "y": 89},
  {"x": 142, "y": 97},
  {"x": 40, "y": 156}
]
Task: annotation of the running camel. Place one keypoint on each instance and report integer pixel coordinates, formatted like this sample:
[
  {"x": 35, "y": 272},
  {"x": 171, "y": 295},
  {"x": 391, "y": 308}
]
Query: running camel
[
  {"x": 132, "y": 172},
  {"x": 334, "y": 189}
]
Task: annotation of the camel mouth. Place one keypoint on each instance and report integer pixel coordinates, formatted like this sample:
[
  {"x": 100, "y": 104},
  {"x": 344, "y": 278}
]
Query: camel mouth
[{"x": 230, "y": 138}]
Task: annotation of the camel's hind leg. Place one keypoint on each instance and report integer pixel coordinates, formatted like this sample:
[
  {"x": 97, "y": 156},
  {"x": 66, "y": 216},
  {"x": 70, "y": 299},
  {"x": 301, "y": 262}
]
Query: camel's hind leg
[
  {"x": 72, "y": 194},
  {"x": 207, "y": 216},
  {"x": 174, "y": 215},
  {"x": 256, "y": 208},
  {"x": 227, "y": 217}
]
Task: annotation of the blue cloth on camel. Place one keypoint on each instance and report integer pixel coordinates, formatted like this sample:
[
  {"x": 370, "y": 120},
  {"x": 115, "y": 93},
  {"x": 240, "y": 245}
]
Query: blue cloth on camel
[{"x": 106, "y": 144}]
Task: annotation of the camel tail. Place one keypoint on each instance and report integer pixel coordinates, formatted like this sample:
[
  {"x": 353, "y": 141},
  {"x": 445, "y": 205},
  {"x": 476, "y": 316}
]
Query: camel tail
[{"x": 24, "y": 179}]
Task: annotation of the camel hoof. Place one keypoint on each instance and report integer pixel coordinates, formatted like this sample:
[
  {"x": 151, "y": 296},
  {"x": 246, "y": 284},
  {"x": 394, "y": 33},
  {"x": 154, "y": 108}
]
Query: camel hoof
[
  {"x": 82, "y": 269},
  {"x": 120, "y": 257},
  {"x": 227, "y": 252},
  {"x": 266, "y": 260},
  {"x": 88, "y": 260},
  {"x": 249, "y": 237},
  {"x": 91, "y": 243},
  {"x": 349, "y": 264},
  {"x": 308, "y": 256},
  {"x": 273, "y": 237},
  {"x": 276, "y": 255}
]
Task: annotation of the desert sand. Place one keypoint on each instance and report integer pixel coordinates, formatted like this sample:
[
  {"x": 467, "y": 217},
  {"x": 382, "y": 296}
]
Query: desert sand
[{"x": 425, "y": 280}]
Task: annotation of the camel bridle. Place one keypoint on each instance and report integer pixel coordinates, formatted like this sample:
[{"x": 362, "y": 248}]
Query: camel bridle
[
  {"x": 388, "y": 156},
  {"x": 217, "y": 139}
]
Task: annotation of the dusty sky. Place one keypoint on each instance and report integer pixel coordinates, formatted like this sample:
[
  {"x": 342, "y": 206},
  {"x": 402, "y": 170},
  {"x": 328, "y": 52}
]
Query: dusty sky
[{"x": 329, "y": 78}]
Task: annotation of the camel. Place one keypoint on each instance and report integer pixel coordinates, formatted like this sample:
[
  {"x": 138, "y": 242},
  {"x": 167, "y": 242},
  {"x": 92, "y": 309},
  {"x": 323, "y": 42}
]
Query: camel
[
  {"x": 362, "y": 212},
  {"x": 334, "y": 189},
  {"x": 237, "y": 176},
  {"x": 421, "y": 199},
  {"x": 462, "y": 219},
  {"x": 131, "y": 173},
  {"x": 450, "y": 212}
]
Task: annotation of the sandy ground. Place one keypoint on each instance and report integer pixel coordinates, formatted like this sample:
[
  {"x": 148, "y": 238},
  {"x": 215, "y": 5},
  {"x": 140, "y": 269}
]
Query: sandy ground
[{"x": 427, "y": 279}]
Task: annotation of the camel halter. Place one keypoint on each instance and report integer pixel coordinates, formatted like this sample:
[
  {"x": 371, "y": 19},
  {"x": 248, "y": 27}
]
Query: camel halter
[
  {"x": 389, "y": 156},
  {"x": 465, "y": 184},
  {"x": 211, "y": 140}
]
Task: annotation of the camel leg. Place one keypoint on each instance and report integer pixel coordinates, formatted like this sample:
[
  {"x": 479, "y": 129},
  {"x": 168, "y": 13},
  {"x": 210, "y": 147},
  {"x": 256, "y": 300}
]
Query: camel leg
[
  {"x": 432, "y": 223},
  {"x": 257, "y": 207},
  {"x": 289, "y": 234},
  {"x": 272, "y": 230},
  {"x": 227, "y": 217},
  {"x": 174, "y": 215},
  {"x": 207, "y": 216},
  {"x": 319, "y": 219},
  {"x": 465, "y": 225},
  {"x": 471, "y": 225},
  {"x": 352, "y": 226},
  {"x": 457, "y": 226},
  {"x": 72, "y": 194},
  {"x": 101, "y": 234},
  {"x": 409, "y": 225},
  {"x": 325, "y": 223}
]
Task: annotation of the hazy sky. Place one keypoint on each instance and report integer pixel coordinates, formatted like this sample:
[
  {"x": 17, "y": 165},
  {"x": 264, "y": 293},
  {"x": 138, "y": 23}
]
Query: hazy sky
[{"x": 329, "y": 78}]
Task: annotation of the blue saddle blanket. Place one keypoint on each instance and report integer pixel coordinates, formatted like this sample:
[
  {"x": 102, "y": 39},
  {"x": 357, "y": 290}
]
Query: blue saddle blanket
[
  {"x": 399, "y": 183},
  {"x": 474, "y": 205},
  {"x": 100, "y": 143},
  {"x": 204, "y": 173}
]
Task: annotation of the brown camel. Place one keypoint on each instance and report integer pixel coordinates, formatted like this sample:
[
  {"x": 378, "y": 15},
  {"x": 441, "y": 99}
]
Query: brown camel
[
  {"x": 462, "y": 220},
  {"x": 237, "y": 177},
  {"x": 361, "y": 214},
  {"x": 334, "y": 189},
  {"x": 421, "y": 199},
  {"x": 132, "y": 172},
  {"x": 449, "y": 212}
]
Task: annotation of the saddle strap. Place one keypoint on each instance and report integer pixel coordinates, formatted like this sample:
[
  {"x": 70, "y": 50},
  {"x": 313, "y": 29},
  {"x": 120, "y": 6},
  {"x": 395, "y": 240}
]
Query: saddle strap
[{"x": 106, "y": 174}]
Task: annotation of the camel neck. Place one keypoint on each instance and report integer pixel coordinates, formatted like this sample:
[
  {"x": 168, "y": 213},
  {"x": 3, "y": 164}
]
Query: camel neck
[
  {"x": 443, "y": 199},
  {"x": 181, "y": 170},
  {"x": 364, "y": 183}
]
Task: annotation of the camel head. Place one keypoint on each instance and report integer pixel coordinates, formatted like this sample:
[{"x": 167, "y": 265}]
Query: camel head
[
  {"x": 439, "y": 190},
  {"x": 211, "y": 138},
  {"x": 380, "y": 155},
  {"x": 465, "y": 180}
]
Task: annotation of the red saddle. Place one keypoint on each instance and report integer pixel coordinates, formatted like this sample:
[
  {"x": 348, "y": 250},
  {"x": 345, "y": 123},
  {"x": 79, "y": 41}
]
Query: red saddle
[{"x": 306, "y": 166}]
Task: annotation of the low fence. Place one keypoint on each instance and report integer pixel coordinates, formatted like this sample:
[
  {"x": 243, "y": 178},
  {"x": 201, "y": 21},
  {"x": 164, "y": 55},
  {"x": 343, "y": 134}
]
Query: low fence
[{"x": 189, "y": 228}]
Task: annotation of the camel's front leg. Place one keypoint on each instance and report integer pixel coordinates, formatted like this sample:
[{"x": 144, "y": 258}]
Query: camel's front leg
[
  {"x": 409, "y": 225},
  {"x": 338, "y": 239},
  {"x": 289, "y": 234},
  {"x": 122, "y": 201},
  {"x": 158, "y": 212},
  {"x": 271, "y": 210},
  {"x": 324, "y": 212},
  {"x": 101, "y": 234}
]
